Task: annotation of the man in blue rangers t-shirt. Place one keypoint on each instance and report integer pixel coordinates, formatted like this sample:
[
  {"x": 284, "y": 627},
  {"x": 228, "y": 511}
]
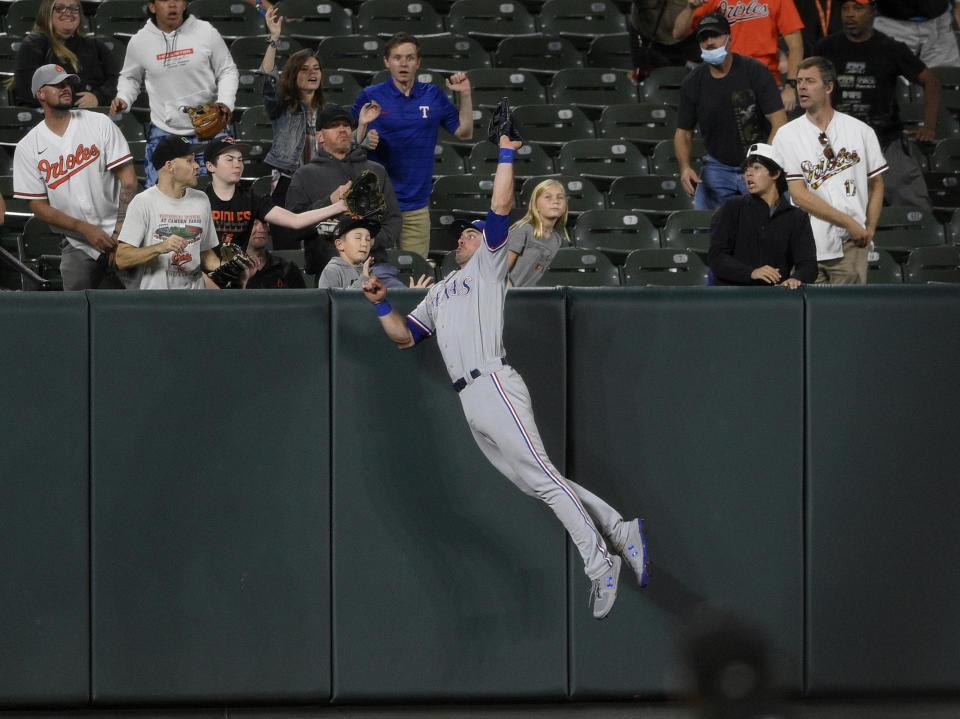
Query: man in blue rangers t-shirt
[{"x": 411, "y": 114}]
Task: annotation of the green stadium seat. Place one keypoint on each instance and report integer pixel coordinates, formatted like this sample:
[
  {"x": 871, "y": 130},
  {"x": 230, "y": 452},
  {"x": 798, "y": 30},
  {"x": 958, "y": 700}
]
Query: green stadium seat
[
  {"x": 664, "y": 267},
  {"x": 616, "y": 233},
  {"x": 591, "y": 88},
  {"x": 544, "y": 55},
  {"x": 577, "y": 267},
  {"x": 553, "y": 125},
  {"x": 643, "y": 123},
  {"x": 410, "y": 264},
  {"x": 581, "y": 20},
  {"x": 883, "y": 269},
  {"x": 489, "y": 85},
  {"x": 933, "y": 264},
  {"x": 601, "y": 159},
  {"x": 610, "y": 51},
  {"x": 310, "y": 20},
  {"x": 449, "y": 53},
  {"x": 687, "y": 230},
  {"x": 489, "y": 22},
  {"x": 388, "y": 17},
  {"x": 530, "y": 160}
]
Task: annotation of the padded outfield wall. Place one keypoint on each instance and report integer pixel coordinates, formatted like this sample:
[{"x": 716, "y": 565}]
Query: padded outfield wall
[{"x": 239, "y": 498}]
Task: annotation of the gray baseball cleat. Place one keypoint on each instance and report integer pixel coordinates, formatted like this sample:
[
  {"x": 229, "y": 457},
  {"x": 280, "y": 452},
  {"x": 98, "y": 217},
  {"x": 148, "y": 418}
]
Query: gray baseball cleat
[
  {"x": 634, "y": 550},
  {"x": 603, "y": 590}
]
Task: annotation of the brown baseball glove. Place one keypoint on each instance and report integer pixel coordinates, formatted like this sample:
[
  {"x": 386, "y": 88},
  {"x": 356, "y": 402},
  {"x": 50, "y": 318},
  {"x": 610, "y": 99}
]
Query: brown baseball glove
[{"x": 208, "y": 119}]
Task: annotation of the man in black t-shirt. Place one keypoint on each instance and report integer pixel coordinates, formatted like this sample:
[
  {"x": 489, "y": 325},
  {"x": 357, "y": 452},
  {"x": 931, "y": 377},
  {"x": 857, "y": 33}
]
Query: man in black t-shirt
[
  {"x": 735, "y": 101},
  {"x": 235, "y": 208},
  {"x": 868, "y": 64}
]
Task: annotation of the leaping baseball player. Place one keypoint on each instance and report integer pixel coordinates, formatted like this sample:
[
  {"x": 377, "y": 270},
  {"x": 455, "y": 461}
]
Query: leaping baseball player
[{"x": 495, "y": 398}]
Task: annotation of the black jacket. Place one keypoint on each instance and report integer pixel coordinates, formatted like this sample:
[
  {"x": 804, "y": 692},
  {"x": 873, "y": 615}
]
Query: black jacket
[
  {"x": 744, "y": 236},
  {"x": 98, "y": 68}
]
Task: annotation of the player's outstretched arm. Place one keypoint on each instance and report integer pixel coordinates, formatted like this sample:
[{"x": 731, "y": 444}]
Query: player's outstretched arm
[
  {"x": 501, "y": 200},
  {"x": 393, "y": 324}
]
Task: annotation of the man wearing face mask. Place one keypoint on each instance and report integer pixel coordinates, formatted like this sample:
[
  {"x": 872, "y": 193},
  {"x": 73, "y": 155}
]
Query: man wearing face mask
[{"x": 735, "y": 101}]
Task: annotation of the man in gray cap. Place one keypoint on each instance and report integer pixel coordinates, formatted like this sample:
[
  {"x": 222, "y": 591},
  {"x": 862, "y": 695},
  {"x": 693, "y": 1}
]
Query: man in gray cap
[
  {"x": 340, "y": 161},
  {"x": 735, "y": 101},
  {"x": 76, "y": 171}
]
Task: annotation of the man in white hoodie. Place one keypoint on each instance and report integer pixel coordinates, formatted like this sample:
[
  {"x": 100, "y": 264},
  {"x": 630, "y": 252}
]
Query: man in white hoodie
[{"x": 185, "y": 62}]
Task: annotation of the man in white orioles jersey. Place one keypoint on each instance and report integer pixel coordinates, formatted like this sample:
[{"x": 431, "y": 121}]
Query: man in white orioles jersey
[
  {"x": 494, "y": 396},
  {"x": 76, "y": 171}
]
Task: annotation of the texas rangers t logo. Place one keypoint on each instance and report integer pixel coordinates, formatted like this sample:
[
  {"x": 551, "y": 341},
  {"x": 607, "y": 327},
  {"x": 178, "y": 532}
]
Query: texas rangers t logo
[{"x": 425, "y": 109}]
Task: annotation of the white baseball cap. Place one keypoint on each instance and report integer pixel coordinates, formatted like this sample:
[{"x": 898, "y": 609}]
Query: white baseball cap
[
  {"x": 50, "y": 75},
  {"x": 761, "y": 149}
]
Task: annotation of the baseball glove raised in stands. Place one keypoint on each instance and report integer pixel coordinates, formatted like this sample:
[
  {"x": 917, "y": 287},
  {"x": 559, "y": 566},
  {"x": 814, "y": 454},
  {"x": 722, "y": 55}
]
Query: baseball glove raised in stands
[
  {"x": 364, "y": 198},
  {"x": 208, "y": 119},
  {"x": 233, "y": 263},
  {"x": 503, "y": 123}
]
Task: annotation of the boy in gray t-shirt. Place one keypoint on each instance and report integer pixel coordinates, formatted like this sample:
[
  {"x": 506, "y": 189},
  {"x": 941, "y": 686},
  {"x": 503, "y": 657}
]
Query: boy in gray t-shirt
[{"x": 353, "y": 238}]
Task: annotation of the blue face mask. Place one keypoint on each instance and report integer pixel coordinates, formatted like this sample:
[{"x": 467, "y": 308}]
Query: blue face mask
[{"x": 715, "y": 56}]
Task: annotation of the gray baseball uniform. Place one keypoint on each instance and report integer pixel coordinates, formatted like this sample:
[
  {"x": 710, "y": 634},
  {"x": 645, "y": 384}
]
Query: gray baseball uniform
[{"x": 465, "y": 310}]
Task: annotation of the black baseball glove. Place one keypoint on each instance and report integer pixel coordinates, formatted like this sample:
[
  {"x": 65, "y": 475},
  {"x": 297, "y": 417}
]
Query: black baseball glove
[
  {"x": 503, "y": 123},
  {"x": 364, "y": 198},
  {"x": 233, "y": 263}
]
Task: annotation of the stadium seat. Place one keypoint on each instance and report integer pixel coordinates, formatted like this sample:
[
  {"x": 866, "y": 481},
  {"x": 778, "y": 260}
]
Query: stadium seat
[
  {"x": 388, "y": 17},
  {"x": 664, "y": 267},
  {"x": 581, "y": 20},
  {"x": 489, "y": 22},
  {"x": 39, "y": 249},
  {"x": 591, "y": 89},
  {"x": 120, "y": 18},
  {"x": 21, "y": 16},
  {"x": 643, "y": 123},
  {"x": 946, "y": 155},
  {"x": 18, "y": 211},
  {"x": 601, "y": 159},
  {"x": 952, "y": 228},
  {"x": 340, "y": 88},
  {"x": 663, "y": 159},
  {"x": 654, "y": 195},
  {"x": 462, "y": 194},
  {"x": 360, "y": 55},
  {"x": 610, "y": 51},
  {"x": 544, "y": 55},
  {"x": 310, "y": 20},
  {"x": 616, "y": 233},
  {"x": 138, "y": 149},
  {"x": 443, "y": 232},
  {"x": 231, "y": 19},
  {"x": 530, "y": 160},
  {"x": 489, "y": 85},
  {"x": 448, "y": 53},
  {"x": 296, "y": 257},
  {"x": 447, "y": 161},
  {"x": 933, "y": 264},
  {"x": 263, "y": 186},
  {"x": 410, "y": 264},
  {"x": 914, "y": 115},
  {"x": 256, "y": 129},
  {"x": 949, "y": 78},
  {"x": 553, "y": 125},
  {"x": 248, "y": 52},
  {"x": 883, "y": 269},
  {"x": 687, "y": 230},
  {"x": 901, "y": 229},
  {"x": 582, "y": 194},
  {"x": 6, "y": 162},
  {"x": 249, "y": 91},
  {"x": 9, "y": 47},
  {"x": 481, "y": 120},
  {"x": 130, "y": 127},
  {"x": 944, "y": 190},
  {"x": 15, "y": 121},
  {"x": 577, "y": 267},
  {"x": 662, "y": 85}
]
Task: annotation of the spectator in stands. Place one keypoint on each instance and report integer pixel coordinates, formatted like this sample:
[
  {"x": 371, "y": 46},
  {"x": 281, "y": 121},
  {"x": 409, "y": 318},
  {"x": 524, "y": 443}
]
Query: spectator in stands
[
  {"x": 762, "y": 239},
  {"x": 184, "y": 62},
  {"x": 353, "y": 238},
  {"x": 652, "y": 44},
  {"x": 820, "y": 18},
  {"x": 235, "y": 208},
  {"x": 735, "y": 102},
  {"x": 535, "y": 239},
  {"x": 272, "y": 272},
  {"x": 339, "y": 160},
  {"x": 168, "y": 234},
  {"x": 834, "y": 170},
  {"x": 58, "y": 37},
  {"x": 924, "y": 25},
  {"x": 756, "y": 26},
  {"x": 76, "y": 170},
  {"x": 410, "y": 117},
  {"x": 868, "y": 64},
  {"x": 292, "y": 100}
]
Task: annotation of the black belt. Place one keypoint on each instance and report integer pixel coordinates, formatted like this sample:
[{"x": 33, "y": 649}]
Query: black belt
[{"x": 474, "y": 373}]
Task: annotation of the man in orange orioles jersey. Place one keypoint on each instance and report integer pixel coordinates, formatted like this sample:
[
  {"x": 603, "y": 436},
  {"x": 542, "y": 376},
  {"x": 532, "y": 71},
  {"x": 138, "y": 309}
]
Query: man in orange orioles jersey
[
  {"x": 755, "y": 27},
  {"x": 76, "y": 171}
]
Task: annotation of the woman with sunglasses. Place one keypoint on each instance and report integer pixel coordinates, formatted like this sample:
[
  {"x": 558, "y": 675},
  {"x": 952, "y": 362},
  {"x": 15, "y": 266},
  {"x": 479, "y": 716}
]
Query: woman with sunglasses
[{"x": 58, "y": 37}]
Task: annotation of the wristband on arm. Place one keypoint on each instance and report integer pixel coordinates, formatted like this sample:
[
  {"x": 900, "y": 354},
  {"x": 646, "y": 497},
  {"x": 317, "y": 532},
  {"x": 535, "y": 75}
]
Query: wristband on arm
[
  {"x": 383, "y": 308},
  {"x": 506, "y": 155}
]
